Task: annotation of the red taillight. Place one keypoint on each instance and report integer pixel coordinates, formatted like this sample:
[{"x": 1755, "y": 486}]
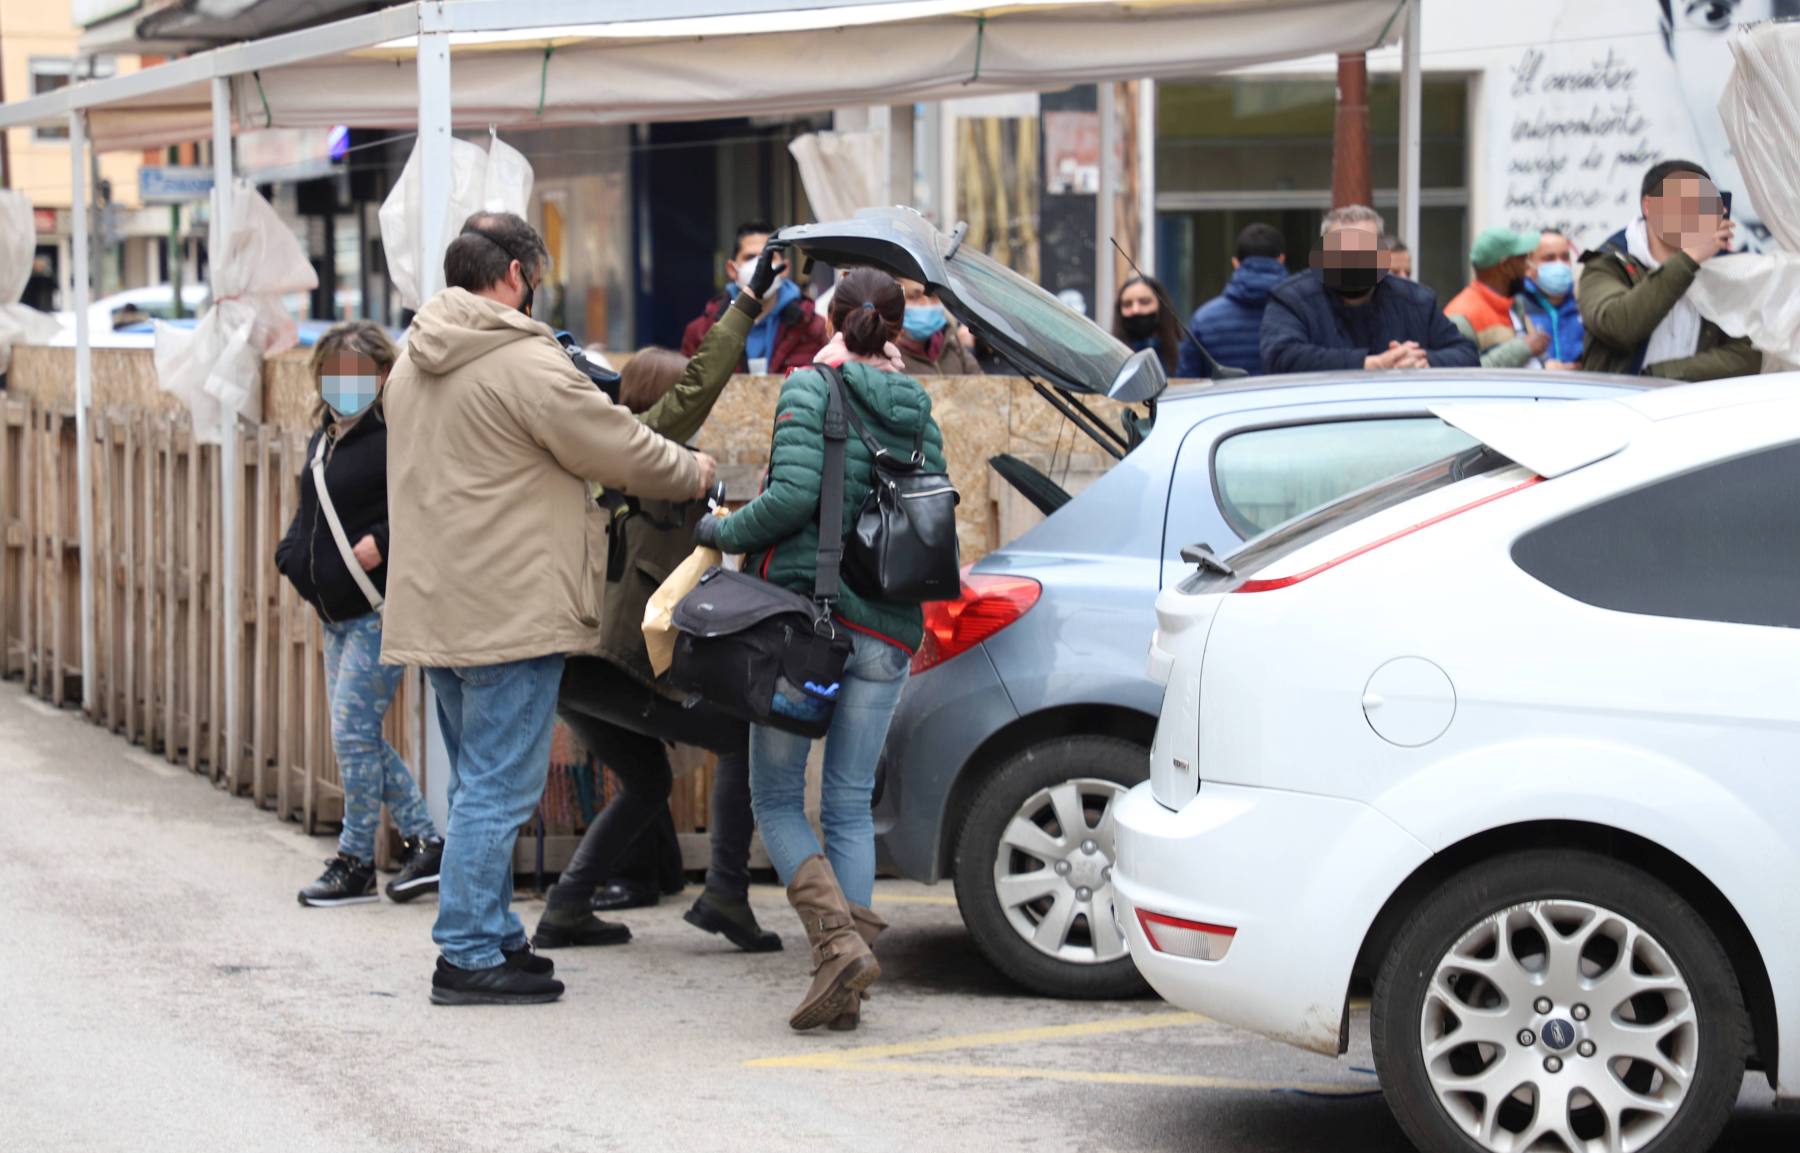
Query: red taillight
[
  {"x": 988, "y": 604},
  {"x": 1194, "y": 940},
  {"x": 1272, "y": 583}
]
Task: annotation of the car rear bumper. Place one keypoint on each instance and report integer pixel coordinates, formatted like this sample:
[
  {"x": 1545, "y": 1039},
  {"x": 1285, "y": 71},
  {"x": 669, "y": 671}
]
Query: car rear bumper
[{"x": 1299, "y": 877}]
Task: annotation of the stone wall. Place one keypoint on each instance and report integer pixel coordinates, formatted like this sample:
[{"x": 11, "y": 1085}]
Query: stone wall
[{"x": 981, "y": 417}]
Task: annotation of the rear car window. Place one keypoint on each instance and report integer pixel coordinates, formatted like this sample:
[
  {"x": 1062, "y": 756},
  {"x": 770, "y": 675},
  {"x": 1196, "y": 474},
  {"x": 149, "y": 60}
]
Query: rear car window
[
  {"x": 1266, "y": 476},
  {"x": 1720, "y": 543},
  {"x": 1034, "y": 318},
  {"x": 1296, "y": 534}
]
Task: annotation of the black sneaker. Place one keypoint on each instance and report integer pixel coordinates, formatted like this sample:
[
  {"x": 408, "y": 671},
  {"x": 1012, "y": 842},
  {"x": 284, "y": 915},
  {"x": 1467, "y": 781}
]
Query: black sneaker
[
  {"x": 522, "y": 958},
  {"x": 418, "y": 869},
  {"x": 504, "y": 984},
  {"x": 347, "y": 880}
]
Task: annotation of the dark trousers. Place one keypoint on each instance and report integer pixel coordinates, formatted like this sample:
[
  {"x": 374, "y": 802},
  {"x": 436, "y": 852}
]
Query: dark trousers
[{"x": 622, "y": 722}]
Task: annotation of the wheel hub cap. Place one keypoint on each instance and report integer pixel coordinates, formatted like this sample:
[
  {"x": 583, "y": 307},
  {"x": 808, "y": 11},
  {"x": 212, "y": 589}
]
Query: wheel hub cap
[
  {"x": 1559, "y": 1025},
  {"x": 1053, "y": 871}
]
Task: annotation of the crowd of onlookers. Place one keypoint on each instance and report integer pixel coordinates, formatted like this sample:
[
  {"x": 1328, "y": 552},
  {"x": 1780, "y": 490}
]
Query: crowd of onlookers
[{"x": 1532, "y": 300}]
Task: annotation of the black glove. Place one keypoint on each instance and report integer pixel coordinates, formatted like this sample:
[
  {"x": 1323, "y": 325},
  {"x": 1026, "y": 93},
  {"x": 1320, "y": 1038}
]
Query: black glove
[
  {"x": 766, "y": 270},
  {"x": 706, "y": 532}
]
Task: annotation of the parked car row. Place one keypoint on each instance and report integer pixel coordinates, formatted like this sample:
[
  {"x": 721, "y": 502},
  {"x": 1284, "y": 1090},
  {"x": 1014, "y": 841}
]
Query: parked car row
[{"x": 1481, "y": 687}]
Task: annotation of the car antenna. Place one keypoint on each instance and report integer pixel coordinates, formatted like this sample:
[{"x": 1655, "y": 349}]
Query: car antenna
[{"x": 1215, "y": 370}]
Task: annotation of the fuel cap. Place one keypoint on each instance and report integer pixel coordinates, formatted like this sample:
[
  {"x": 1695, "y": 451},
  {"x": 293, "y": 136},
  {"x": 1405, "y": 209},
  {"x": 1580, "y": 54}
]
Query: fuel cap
[{"x": 1409, "y": 702}]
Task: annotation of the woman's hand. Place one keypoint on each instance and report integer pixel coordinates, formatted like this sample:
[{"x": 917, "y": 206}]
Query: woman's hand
[
  {"x": 706, "y": 532},
  {"x": 367, "y": 553}
]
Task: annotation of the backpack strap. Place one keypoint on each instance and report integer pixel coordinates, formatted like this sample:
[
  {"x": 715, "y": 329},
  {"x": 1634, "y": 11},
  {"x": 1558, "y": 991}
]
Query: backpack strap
[{"x": 831, "y": 493}]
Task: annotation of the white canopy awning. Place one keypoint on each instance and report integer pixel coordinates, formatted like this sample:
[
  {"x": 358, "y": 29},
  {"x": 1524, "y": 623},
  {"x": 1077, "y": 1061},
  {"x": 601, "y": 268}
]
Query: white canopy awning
[{"x": 542, "y": 64}]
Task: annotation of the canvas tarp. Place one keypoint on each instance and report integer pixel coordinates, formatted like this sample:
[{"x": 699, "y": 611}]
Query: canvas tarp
[
  {"x": 19, "y": 323},
  {"x": 841, "y": 171},
  {"x": 1758, "y": 294}
]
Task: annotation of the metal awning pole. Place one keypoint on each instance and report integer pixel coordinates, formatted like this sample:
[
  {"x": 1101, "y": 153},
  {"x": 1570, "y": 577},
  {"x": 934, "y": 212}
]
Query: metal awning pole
[
  {"x": 84, "y": 396},
  {"x": 433, "y": 767},
  {"x": 1146, "y": 176},
  {"x": 1411, "y": 92},
  {"x": 230, "y": 480},
  {"x": 1106, "y": 276}
]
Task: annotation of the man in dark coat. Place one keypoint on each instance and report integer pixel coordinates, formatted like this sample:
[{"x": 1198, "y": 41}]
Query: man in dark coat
[
  {"x": 788, "y": 332},
  {"x": 1346, "y": 313},
  {"x": 1230, "y": 325}
]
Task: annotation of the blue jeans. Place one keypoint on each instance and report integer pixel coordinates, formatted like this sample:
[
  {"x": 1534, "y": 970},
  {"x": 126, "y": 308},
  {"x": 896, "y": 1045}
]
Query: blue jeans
[
  {"x": 496, "y": 721},
  {"x": 865, "y": 706},
  {"x": 360, "y": 689}
]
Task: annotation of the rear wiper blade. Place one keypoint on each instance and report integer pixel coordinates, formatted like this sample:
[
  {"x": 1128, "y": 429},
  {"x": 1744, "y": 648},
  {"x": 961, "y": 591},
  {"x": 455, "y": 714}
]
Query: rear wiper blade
[{"x": 1203, "y": 556}]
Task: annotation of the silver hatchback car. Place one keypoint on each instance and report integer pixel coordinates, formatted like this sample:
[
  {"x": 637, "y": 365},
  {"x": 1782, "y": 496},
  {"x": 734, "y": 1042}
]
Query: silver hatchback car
[{"x": 1029, "y": 710}]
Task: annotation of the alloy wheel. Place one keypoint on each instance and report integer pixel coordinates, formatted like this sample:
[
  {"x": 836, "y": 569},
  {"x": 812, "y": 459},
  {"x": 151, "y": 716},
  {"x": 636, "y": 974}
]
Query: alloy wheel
[
  {"x": 1559, "y": 1025},
  {"x": 1053, "y": 871}
]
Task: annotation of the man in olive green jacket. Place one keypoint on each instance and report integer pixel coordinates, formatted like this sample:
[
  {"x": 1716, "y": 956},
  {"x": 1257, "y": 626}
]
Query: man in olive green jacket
[{"x": 1633, "y": 290}]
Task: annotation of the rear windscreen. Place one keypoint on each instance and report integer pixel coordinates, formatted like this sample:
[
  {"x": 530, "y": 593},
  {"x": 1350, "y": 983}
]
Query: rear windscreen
[{"x": 1294, "y": 535}]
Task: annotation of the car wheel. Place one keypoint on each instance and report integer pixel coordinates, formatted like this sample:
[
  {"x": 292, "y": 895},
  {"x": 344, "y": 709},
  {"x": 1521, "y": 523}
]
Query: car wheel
[
  {"x": 1034, "y": 867},
  {"x": 1558, "y": 1000}
]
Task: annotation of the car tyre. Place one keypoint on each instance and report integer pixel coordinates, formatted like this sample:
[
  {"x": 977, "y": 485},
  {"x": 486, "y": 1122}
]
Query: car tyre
[
  {"x": 1094, "y": 766},
  {"x": 1618, "y": 928}
]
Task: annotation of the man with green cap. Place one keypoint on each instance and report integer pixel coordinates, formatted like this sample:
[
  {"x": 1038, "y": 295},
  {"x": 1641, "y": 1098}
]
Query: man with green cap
[{"x": 1501, "y": 258}]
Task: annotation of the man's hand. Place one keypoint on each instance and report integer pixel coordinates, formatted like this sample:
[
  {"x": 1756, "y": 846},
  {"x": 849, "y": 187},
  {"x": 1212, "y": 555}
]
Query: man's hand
[
  {"x": 709, "y": 474},
  {"x": 1708, "y": 245},
  {"x": 765, "y": 272},
  {"x": 967, "y": 335},
  {"x": 1538, "y": 342},
  {"x": 1408, "y": 355},
  {"x": 1562, "y": 366},
  {"x": 367, "y": 553}
]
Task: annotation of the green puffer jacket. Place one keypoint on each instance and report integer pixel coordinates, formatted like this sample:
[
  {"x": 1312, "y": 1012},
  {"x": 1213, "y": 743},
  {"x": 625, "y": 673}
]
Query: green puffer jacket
[{"x": 780, "y": 529}]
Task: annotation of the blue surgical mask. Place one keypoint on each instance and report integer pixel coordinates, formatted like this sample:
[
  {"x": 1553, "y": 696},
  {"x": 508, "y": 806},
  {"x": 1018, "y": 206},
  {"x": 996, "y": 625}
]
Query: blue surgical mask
[
  {"x": 1555, "y": 278},
  {"x": 349, "y": 396},
  {"x": 924, "y": 321}
]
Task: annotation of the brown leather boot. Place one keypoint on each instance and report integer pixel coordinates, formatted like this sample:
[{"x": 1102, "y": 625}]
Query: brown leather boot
[
  {"x": 869, "y": 926},
  {"x": 842, "y": 964}
]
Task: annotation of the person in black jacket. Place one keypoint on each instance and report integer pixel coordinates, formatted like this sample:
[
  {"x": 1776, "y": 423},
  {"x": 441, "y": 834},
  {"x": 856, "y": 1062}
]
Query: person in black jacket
[
  {"x": 1346, "y": 312},
  {"x": 350, "y": 364}
]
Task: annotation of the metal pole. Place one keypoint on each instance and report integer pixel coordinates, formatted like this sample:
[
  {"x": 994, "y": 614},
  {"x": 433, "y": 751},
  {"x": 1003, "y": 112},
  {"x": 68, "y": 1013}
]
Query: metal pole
[
  {"x": 231, "y": 469},
  {"x": 1411, "y": 93},
  {"x": 84, "y": 395},
  {"x": 1350, "y": 179},
  {"x": 1106, "y": 277},
  {"x": 1146, "y": 176},
  {"x": 433, "y": 767}
]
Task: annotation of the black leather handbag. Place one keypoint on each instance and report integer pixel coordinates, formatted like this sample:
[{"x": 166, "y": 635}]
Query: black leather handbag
[
  {"x": 902, "y": 546},
  {"x": 763, "y": 653}
]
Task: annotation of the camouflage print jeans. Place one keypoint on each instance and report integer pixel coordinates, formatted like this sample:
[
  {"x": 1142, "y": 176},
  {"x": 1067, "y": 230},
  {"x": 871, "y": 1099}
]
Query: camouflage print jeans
[{"x": 360, "y": 689}]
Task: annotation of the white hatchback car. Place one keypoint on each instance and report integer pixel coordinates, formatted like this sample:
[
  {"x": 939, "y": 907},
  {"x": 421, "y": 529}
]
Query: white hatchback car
[{"x": 1516, "y": 737}]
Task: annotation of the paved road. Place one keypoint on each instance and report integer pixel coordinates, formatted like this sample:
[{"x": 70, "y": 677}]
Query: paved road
[{"x": 164, "y": 991}]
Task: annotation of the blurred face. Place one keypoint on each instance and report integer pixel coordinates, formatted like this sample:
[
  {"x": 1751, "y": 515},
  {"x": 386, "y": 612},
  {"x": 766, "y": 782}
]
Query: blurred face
[
  {"x": 1137, "y": 300},
  {"x": 1351, "y": 259},
  {"x": 350, "y": 383},
  {"x": 1552, "y": 249},
  {"x": 1688, "y": 209}
]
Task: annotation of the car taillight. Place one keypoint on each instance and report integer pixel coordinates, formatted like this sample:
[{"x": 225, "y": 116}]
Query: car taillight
[
  {"x": 1194, "y": 940},
  {"x": 1270, "y": 584},
  {"x": 988, "y": 604}
]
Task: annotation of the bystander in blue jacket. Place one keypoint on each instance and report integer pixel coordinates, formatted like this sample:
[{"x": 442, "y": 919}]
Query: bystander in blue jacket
[{"x": 1230, "y": 324}]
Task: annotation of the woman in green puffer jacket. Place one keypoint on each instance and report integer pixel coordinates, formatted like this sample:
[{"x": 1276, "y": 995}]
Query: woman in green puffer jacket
[{"x": 779, "y": 533}]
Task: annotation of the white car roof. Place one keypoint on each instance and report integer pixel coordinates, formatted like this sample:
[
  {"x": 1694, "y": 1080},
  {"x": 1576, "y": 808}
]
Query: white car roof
[{"x": 1554, "y": 441}]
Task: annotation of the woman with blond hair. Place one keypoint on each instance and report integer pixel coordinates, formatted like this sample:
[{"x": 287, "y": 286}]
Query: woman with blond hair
[{"x": 335, "y": 555}]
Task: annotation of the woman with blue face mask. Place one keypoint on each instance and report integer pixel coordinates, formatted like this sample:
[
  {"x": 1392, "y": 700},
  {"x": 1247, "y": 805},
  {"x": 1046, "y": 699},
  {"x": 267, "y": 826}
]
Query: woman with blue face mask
[
  {"x": 930, "y": 341},
  {"x": 348, "y": 456}
]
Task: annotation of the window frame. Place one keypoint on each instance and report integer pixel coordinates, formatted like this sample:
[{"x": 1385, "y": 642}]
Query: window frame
[{"x": 69, "y": 68}]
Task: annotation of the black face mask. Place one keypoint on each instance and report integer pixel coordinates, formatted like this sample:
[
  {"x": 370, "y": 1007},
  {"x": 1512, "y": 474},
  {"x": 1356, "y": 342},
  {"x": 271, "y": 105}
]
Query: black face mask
[
  {"x": 1139, "y": 325},
  {"x": 1352, "y": 281}
]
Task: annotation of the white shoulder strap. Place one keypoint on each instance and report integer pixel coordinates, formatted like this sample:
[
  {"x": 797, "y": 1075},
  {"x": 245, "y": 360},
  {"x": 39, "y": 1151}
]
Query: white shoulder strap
[{"x": 337, "y": 527}]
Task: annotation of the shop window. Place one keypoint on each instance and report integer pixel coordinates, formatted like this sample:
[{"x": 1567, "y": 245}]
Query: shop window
[{"x": 50, "y": 73}]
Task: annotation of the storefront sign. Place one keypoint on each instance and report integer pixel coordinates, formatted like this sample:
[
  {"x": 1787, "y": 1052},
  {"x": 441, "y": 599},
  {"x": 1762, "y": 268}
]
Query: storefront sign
[{"x": 174, "y": 184}]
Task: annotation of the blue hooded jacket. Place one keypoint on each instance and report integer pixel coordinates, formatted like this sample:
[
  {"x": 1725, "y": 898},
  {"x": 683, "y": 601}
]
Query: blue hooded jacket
[
  {"x": 1229, "y": 325},
  {"x": 1305, "y": 329},
  {"x": 1562, "y": 321}
]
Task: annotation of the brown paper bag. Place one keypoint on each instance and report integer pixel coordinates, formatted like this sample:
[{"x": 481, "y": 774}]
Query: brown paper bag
[{"x": 659, "y": 614}]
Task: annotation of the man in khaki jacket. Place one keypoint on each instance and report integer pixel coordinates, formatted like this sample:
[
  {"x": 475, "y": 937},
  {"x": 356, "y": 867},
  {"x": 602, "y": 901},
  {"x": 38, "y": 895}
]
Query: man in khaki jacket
[{"x": 497, "y": 562}]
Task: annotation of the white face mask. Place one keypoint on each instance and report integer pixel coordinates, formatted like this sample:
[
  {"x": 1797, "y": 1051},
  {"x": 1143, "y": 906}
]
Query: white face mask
[{"x": 746, "y": 270}]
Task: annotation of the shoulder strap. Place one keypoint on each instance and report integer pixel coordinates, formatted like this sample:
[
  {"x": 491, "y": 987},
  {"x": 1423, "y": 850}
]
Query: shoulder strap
[
  {"x": 337, "y": 527},
  {"x": 831, "y": 490}
]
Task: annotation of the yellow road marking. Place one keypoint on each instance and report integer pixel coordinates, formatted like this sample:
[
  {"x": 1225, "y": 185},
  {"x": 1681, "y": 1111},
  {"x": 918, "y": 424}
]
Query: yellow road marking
[
  {"x": 1170, "y": 1080},
  {"x": 868, "y": 1053}
]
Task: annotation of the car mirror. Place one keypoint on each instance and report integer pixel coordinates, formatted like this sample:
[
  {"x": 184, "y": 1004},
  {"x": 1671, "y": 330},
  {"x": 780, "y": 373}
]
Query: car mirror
[{"x": 1142, "y": 378}]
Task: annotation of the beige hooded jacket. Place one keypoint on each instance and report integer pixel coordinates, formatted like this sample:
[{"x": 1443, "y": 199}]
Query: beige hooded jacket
[{"x": 497, "y": 552}]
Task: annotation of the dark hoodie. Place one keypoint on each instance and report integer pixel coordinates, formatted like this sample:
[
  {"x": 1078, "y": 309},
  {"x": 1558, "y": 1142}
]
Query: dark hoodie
[
  {"x": 780, "y": 528},
  {"x": 1230, "y": 324}
]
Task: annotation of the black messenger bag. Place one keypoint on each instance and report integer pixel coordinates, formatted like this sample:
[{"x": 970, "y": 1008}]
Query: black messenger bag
[
  {"x": 902, "y": 546},
  {"x": 766, "y": 654}
]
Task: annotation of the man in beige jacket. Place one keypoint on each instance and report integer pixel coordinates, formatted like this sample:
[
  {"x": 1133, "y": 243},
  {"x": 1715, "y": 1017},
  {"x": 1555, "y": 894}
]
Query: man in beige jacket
[{"x": 497, "y": 562}]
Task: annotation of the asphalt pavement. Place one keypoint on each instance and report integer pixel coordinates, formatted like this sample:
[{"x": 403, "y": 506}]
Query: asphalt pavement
[{"x": 163, "y": 990}]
